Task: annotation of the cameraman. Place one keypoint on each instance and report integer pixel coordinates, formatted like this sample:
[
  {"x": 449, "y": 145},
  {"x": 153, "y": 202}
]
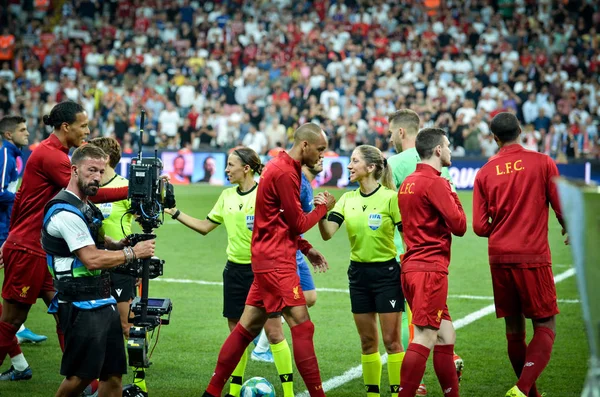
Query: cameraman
[
  {"x": 116, "y": 225},
  {"x": 87, "y": 313}
]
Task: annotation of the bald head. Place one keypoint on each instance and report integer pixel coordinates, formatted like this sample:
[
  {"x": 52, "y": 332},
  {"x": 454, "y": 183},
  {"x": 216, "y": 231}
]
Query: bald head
[
  {"x": 406, "y": 119},
  {"x": 310, "y": 142},
  {"x": 309, "y": 132}
]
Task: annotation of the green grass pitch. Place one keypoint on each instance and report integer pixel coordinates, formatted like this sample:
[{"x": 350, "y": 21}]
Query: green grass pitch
[{"x": 187, "y": 348}]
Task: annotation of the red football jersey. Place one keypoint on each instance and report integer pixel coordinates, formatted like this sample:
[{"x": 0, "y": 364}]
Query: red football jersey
[
  {"x": 510, "y": 206},
  {"x": 47, "y": 171},
  {"x": 278, "y": 218},
  {"x": 431, "y": 213}
]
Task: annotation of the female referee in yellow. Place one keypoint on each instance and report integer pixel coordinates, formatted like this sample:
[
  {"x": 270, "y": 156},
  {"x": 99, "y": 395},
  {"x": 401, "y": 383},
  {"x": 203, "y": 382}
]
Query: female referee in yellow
[
  {"x": 371, "y": 214},
  {"x": 235, "y": 209}
]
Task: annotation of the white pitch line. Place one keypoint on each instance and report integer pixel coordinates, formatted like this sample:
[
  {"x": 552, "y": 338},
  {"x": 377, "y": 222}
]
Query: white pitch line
[
  {"x": 356, "y": 372},
  {"x": 186, "y": 281},
  {"x": 491, "y": 298},
  {"x": 345, "y": 291}
]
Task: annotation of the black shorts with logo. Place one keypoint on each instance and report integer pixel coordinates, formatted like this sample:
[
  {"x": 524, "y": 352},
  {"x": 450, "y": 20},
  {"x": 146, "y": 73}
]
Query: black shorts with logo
[
  {"x": 375, "y": 287},
  {"x": 237, "y": 279},
  {"x": 94, "y": 347},
  {"x": 122, "y": 287}
]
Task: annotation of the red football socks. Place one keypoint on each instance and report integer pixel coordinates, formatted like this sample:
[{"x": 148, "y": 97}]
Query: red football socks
[
  {"x": 229, "y": 357},
  {"x": 413, "y": 368},
  {"x": 305, "y": 358},
  {"x": 443, "y": 364},
  {"x": 14, "y": 348},
  {"x": 537, "y": 357},
  {"x": 517, "y": 349},
  {"x": 7, "y": 339}
]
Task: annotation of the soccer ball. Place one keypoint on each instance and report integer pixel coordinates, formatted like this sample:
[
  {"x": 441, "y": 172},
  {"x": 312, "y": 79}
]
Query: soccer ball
[{"x": 256, "y": 387}]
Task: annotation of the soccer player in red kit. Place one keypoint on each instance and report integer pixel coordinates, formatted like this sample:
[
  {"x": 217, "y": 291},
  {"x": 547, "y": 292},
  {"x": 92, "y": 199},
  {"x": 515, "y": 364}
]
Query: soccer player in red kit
[
  {"x": 47, "y": 171},
  {"x": 510, "y": 207},
  {"x": 279, "y": 221},
  {"x": 431, "y": 213}
]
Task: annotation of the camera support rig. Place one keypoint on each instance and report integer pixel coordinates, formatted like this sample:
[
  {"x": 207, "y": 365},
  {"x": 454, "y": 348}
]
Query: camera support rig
[
  {"x": 148, "y": 194},
  {"x": 148, "y": 312}
]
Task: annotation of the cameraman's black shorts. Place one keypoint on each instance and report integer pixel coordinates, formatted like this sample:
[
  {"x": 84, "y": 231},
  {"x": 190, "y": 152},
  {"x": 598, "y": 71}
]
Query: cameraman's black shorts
[
  {"x": 237, "y": 279},
  {"x": 375, "y": 287},
  {"x": 94, "y": 347},
  {"x": 122, "y": 287}
]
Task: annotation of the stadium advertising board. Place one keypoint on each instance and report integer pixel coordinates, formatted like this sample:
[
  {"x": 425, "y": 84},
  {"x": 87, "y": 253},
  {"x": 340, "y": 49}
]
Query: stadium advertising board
[{"x": 209, "y": 167}]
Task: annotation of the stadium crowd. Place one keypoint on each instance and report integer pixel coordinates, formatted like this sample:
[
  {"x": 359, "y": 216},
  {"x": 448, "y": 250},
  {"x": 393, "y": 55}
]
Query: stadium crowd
[{"x": 222, "y": 73}]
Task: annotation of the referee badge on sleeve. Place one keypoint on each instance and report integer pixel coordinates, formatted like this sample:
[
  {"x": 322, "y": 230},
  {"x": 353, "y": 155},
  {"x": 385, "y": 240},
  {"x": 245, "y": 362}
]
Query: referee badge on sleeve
[
  {"x": 250, "y": 222},
  {"x": 374, "y": 221}
]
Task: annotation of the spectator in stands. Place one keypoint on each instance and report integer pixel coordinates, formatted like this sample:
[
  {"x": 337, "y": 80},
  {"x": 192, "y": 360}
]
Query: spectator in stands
[{"x": 243, "y": 60}]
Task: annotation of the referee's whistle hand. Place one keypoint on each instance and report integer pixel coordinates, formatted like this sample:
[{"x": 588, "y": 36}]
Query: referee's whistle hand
[{"x": 145, "y": 249}]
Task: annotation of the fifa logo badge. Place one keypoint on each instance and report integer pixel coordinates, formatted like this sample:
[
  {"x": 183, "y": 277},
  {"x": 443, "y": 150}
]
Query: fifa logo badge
[
  {"x": 374, "y": 221},
  {"x": 250, "y": 222}
]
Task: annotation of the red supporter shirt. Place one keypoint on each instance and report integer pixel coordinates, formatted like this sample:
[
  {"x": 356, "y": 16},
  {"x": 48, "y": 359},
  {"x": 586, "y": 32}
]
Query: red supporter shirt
[
  {"x": 48, "y": 170},
  {"x": 431, "y": 212},
  {"x": 510, "y": 206},
  {"x": 278, "y": 218}
]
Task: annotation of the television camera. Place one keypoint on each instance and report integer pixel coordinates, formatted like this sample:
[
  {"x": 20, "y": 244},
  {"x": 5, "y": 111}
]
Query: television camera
[{"x": 149, "y": 193}]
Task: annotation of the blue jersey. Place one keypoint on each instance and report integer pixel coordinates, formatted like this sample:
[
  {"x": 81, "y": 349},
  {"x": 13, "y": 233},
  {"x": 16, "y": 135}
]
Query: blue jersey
[
  {"x": 306, "y": 194},
  {"x": 8, "y": 185},
  {"x": 306, "y": 201}
]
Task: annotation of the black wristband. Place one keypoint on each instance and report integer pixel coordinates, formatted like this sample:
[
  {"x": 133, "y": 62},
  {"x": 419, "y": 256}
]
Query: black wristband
[{"x": 176, "y": 214}]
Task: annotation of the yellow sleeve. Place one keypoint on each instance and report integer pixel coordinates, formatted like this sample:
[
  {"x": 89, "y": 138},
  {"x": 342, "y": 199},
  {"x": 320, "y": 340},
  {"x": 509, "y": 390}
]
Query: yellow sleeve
[
  {"x": 394, "y": 209},
  {"x": 216, "y": 214},
  {"x": 339, "y": 206}
]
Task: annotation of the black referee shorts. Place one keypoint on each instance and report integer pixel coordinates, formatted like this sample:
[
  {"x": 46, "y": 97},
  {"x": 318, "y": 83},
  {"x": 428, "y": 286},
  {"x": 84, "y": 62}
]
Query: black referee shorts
[
  {"x": 122, "y": 287},
  {"x": 375, "y": 287},
  {"x": 237, "y": 279},
  {"x": 94, "y": 347}
]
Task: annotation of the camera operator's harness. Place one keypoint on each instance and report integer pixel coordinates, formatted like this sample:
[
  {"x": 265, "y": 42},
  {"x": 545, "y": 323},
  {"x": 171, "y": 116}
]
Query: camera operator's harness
[{"x": 78, "y": 284}]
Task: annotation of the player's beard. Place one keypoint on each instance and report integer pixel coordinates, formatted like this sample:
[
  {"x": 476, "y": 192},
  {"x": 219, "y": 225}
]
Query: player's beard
[{"x": 88, "y": 189}]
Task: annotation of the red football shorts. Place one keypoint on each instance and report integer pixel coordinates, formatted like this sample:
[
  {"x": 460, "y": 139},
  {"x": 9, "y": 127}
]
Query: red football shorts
[
  {"x": 276, "y": 290},
  {"x": 529, "y": 291},
  {"x": 26, "y": 275},
  {"x": 426, "y": 294}
]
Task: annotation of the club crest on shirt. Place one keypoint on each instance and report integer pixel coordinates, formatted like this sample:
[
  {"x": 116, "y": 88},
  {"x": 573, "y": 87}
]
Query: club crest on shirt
[
  {"x": 374, "y": 221},
  {"x": 24, "y": 291},
  {"x": 250, "y": 222}
]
